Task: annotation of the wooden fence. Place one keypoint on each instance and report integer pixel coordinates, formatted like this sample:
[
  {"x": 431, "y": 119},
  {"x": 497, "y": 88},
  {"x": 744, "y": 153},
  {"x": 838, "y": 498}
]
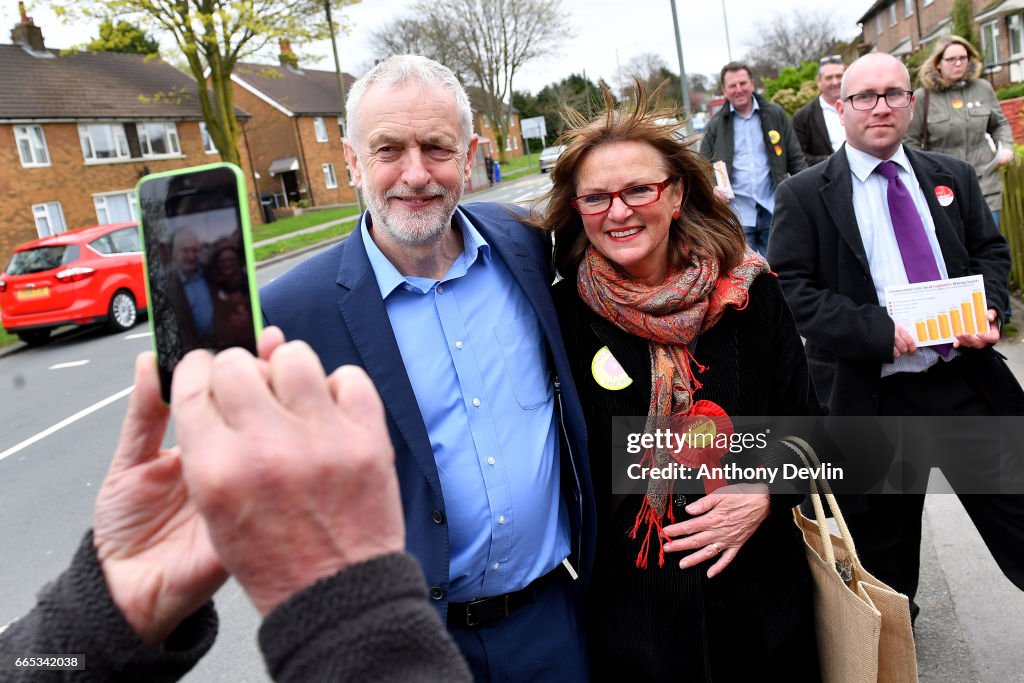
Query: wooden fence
[{"x": 1012, "y": 219}]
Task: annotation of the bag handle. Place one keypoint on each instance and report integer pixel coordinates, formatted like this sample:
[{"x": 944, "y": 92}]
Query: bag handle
[{"x": 810, "y": 460}]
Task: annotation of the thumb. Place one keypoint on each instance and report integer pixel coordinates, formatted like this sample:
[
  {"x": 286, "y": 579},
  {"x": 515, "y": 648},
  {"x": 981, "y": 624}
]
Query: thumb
[
  {"x": 145, "y": 422},
  {"x": 196, "y": 416}
]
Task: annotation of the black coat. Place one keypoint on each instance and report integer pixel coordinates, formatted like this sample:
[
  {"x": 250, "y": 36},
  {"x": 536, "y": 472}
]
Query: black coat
[
  {"x": 755, "y": 620},
  {"x": 812, "y": 133},
  {"x": 816, "y": 249}
]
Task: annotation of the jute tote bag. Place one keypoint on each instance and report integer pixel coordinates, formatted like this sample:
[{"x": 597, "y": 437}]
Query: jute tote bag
[{"x": 863, "y": 625}]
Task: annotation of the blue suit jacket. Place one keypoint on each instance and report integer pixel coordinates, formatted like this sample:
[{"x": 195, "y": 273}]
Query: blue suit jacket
[{"x": 332, "y": 302}]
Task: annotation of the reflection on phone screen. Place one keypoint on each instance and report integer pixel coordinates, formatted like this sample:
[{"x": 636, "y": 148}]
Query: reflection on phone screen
[{"x": 199, "y": 283}]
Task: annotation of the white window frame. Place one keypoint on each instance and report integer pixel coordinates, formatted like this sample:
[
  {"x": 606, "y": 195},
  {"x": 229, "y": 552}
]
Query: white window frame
[
  {"x": 52, "y": 213},
  {"x": 24, "y": 134},
  {"x": 878, "y": 24},
  {"x": 927, "y": 2},
  {"x": 120, "y": 140},
  {"x": 341, "y": 127},
  {"x": 990, "y": 41},
  {"x": 99, "y": 202},
  {"x": 1015, "y": 24},
  {"x": 330, "y": 177},
  {"x": 892, "y": 14},
  {"x": 908, "y": 8},
  {"x": 320, "y": 129},
  {"x": 170, "y": 136},
  {"x": 208, "y": 146}
]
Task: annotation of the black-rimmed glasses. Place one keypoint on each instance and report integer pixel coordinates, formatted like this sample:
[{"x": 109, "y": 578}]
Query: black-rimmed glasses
[
  {"x": 633, "y": 197},
  {"x": 866, "y": 101},
  {"x": 956, "y": 60}
]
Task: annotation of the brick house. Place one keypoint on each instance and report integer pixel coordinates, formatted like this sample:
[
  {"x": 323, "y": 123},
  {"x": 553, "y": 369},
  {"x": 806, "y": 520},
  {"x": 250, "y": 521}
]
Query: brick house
[
  {"x": 78, "y": 131},
  {"x": 296, "y": 130},
  {"x": 902, "y": 26},
  {"x": 483, "y": 128}
]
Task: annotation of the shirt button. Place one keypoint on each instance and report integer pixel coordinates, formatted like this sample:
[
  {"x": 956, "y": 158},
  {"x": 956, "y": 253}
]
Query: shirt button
[
  {"x": 458, "y": 344},
  {"x": 437, "y": 516},
  {"x": 436, "y": 593},
  {"x": 501, "y": 519},
  {"x": 440, "y": 289},
  {"x": 491, "y": 461},
  {"x": 495, "y": 567},
  {"x": 476, "y": 402}
]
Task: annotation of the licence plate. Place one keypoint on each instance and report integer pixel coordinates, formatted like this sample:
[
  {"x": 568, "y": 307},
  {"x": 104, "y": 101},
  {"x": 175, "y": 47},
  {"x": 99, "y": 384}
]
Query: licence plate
[{"x": 36, "y": 293}]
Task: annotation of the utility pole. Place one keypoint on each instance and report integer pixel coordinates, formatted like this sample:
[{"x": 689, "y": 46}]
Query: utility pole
[
  {"x": 341, "y": 88},
  {"x": 725, "y": 18},
  {"x": 683, "y": 88}
]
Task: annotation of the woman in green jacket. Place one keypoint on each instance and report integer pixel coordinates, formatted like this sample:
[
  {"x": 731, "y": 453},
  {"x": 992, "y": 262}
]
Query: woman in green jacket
[{"x": 957, "y": 111}]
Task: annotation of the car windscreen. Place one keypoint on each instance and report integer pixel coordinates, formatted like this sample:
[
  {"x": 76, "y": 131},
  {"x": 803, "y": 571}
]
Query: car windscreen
[{"x": 42, "y": 258}]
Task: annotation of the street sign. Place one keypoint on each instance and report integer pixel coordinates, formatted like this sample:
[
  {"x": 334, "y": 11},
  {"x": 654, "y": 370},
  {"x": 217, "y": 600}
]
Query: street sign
[{"x": 533, "y": 128}]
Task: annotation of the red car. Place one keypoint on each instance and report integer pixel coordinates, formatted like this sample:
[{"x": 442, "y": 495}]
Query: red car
[{"x": 82, "y": 276}]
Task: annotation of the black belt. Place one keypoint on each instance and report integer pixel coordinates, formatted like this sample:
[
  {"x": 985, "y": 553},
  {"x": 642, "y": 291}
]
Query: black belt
[{"x": 488, "y": 610}]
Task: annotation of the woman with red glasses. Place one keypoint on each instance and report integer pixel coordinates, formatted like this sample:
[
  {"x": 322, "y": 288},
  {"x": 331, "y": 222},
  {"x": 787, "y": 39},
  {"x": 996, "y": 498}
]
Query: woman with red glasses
[{"x": 669, "y": 317}]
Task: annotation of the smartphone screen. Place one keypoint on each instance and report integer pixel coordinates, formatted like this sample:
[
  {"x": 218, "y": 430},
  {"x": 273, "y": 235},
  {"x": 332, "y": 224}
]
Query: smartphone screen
[{"x": 201, "y": 293}]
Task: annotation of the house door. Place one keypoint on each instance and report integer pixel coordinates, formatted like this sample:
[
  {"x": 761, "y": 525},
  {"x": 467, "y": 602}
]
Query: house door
[{"x": 290, "y": 186}]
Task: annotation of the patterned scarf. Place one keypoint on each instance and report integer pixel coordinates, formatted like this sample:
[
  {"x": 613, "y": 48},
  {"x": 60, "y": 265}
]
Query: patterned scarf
[{"x": 670, "y": 316}]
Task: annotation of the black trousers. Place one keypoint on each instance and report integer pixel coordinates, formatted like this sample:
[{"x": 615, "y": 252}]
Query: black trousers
[{"x": 887, "y": 528}]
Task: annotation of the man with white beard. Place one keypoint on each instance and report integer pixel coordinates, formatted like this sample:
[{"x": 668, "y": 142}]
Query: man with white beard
[{"x": 448, "y": 309}]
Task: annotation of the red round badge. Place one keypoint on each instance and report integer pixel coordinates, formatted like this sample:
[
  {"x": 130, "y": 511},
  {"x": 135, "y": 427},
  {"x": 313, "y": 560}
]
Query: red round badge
[{"x": 944, "y": 195}]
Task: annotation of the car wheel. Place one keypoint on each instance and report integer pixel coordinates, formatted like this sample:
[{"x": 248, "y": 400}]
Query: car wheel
[
  {"x": 35, "y": 337},
  {"x": 122, "y": 314}
]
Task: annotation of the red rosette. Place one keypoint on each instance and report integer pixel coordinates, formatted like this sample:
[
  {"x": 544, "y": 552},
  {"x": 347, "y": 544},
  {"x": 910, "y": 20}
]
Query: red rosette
[{"x": 708, "y": 431}]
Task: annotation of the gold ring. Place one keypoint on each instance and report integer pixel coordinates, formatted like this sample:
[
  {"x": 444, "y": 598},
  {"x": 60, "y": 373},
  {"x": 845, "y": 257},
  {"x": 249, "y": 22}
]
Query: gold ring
[{"x": 717, "y": 548}]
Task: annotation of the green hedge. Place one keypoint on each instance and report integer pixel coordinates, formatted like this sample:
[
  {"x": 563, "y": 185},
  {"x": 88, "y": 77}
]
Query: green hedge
[{"x": 1010, "y": 91}]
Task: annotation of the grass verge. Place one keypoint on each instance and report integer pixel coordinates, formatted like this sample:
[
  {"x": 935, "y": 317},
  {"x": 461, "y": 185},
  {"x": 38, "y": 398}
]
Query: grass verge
[
  {"x": 6, "y": 338},
  {"x": 292, "y": 243},
  {"x": 306, "y": 220}
]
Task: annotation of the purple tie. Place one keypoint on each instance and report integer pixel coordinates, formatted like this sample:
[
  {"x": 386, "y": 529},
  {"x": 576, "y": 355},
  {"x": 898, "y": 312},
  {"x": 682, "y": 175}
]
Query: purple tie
[{"x": 916, "y": 252}]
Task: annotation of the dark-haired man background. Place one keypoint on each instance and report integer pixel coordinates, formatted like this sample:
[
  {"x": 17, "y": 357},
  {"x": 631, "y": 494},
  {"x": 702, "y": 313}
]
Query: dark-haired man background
[{"x": 816, "y": 124}]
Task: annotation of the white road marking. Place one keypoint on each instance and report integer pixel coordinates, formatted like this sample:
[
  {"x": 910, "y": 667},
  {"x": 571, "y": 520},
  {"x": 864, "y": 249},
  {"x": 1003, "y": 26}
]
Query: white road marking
[
  {"x": 139, "y": 335},
  {"x": 70, "y": 364},
  {"x": 65, "y": 422}
]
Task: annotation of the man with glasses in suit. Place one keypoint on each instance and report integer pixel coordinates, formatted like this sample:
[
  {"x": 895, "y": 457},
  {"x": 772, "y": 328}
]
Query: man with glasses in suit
[{"x": 877, "y": 214}]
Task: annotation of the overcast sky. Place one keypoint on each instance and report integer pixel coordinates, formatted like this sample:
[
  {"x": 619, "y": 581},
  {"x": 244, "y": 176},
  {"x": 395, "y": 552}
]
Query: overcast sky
[{"x": 606, "y": 32}]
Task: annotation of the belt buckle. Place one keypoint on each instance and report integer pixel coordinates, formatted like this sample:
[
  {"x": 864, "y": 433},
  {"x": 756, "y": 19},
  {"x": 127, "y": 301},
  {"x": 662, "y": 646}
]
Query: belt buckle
[{"x": 470, "y": 621}]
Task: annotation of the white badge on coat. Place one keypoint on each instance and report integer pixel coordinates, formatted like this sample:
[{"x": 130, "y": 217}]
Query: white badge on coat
[{"x": 608, "y": 372}]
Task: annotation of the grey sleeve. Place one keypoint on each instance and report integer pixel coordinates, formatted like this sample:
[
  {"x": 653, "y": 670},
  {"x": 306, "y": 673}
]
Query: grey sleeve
[
  {"x": 76, "y": 615},
  {"x": 369, "y": 622}
]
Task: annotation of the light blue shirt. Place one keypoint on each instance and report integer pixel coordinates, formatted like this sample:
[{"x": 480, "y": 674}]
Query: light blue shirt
[
  {"x": 751, "y": 173},
  {"x": 478, "y": 363},
  {"x": 197, "y": 293},
  {"x": 871, "y": 207}
]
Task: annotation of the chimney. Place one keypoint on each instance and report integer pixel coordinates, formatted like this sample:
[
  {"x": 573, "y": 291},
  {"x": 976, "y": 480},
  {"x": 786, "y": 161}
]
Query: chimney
[
  {"x": 27, "y": 33},
  {"x": 287, "y": 58}
]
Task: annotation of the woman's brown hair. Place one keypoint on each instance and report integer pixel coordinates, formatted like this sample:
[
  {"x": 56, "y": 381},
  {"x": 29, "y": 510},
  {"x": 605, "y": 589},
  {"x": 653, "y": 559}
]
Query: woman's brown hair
[{"x": 706, "y": 224}]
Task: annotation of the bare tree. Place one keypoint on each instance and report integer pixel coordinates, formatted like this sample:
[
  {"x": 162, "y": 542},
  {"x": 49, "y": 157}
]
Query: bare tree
[
  {"x": 486, "y": 42},
  {"x": 790, "y": 39},
  {"x": 423, "y": 35}
]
